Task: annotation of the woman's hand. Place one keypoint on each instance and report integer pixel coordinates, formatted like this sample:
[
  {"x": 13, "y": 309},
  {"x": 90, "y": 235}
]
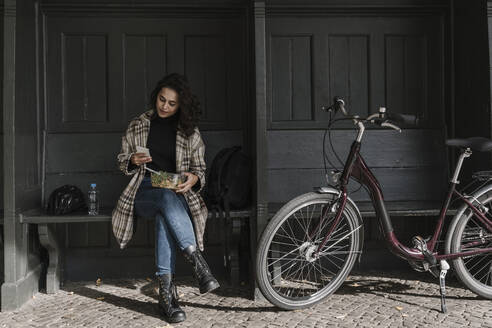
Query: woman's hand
[
  {"x": 140, "y": 158},
  {"x": 191, "y": 180}
]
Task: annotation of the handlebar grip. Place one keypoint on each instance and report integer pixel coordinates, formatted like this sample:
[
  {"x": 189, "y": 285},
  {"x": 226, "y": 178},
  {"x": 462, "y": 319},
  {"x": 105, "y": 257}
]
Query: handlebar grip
[
  {"x": 338, "y": 105},
  {"x": 406, "y": 119}
]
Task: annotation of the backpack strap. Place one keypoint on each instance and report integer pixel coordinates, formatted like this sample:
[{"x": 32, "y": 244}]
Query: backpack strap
[
  {"x": 228, "y": 156},
  {"x": 224, "y": 238},
  {"x": 227, "y": 208}
]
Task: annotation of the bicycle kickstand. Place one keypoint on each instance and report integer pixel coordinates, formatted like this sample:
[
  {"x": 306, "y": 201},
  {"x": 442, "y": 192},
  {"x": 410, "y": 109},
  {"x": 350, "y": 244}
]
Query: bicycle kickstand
[{"x": 442, "y": 284}]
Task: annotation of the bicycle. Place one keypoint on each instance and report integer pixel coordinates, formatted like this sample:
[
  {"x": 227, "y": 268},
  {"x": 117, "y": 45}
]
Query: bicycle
[{"x": 311, "y": 244}]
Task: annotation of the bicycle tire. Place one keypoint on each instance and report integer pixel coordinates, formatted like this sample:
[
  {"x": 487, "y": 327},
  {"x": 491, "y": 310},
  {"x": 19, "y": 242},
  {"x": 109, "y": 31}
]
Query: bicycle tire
[
  {"x": 277, "y": 285},
  {"x": 475, "y": 272}
]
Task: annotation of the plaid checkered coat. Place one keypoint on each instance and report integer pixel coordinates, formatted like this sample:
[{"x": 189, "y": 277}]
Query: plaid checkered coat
[{"x": 190, "y": 152}]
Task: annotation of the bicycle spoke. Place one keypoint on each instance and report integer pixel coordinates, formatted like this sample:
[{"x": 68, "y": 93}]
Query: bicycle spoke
[
  {"x": 290, "y": 228},
  {"x": 291, "y": 238},
  {"x": 285, "y": 255},
  {"x": 311, "y": 217},
  {"x": 287, "y": 259},
  {"x": 346, "y": 252},
  {"x": 302, "y": 226},
  {"x": 331, "y": 273},
  {"x": 486, "y": 274},
  {"x": 280, "y": 274},
  {"x": 280, "y": 251},
  {"x": 346, "y": 236},
  {"x": 318, "y": 267},
  {"x": 295, "y": 272},
  {"x": 337, "y": 232},
  {"x": 314, "y": 272},
  {"x": 296, "y": 290},
  {"x": 476, "y": 263},
  {"x": 280, "y": 243}
]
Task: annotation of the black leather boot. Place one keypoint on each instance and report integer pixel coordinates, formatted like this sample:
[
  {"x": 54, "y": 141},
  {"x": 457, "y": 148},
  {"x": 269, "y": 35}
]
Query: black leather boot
[
  {"x": 201, "y": 271},
  {"x": 168, "y": 300}
]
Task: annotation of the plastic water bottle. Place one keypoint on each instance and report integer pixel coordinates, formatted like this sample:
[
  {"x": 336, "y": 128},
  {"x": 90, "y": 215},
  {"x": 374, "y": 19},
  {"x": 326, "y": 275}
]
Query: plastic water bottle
[{"x": 93, "y": 200}]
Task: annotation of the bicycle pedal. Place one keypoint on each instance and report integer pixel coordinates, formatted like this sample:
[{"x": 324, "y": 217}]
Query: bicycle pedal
[
  {"x": 419, "y": 266},
  {"x": 434, "y": 271}
]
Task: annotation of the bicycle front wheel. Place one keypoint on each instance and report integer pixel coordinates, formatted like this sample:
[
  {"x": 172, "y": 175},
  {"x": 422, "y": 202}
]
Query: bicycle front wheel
[
  {"x": 471, "y": 234},
  {"x": 289, "y": 271}
]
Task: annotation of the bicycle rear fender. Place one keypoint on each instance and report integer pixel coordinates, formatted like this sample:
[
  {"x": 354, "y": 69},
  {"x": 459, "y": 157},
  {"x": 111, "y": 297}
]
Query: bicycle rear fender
[
  {"x": 461, "y": 210},
  {"x": 349, "y": 205}
]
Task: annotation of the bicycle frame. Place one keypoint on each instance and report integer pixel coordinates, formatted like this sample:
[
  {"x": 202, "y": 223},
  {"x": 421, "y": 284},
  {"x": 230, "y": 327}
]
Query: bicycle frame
[{"x": 356, "y": 168}]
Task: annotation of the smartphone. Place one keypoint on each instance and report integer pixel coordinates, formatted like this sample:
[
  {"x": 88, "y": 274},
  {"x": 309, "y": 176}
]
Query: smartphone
[{"x": 143, "y": 150}]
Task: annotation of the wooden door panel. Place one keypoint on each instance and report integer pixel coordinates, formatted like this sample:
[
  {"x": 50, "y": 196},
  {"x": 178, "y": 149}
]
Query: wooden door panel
[
  {"x": 370, "y": 61},
  {"x": 100, "y": 70}
]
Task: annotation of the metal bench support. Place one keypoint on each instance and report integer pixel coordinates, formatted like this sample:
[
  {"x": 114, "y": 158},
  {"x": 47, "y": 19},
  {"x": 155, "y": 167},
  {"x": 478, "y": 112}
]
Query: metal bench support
[
  {"x": 47, "y": 239},
  {"x": 233, "y": 229}
]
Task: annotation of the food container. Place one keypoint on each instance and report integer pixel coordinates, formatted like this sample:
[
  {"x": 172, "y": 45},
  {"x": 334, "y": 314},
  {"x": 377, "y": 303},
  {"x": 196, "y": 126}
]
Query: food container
[{"x": 166, "y": 180}]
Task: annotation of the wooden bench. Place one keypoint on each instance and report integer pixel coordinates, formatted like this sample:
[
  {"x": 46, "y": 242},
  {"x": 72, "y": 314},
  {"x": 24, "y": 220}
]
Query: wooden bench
[{"x": 231, "y": 232}]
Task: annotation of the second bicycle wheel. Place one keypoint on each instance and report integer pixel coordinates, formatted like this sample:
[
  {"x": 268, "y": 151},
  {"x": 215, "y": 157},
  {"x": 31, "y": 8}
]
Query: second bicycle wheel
[
  {"x": 289, "y": 273},
  {"x": 471, "y": 234}
]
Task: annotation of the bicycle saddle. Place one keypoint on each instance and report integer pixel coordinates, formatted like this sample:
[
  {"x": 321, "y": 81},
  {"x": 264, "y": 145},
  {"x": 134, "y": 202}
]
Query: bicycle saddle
[{"x": 474, "y": 143}]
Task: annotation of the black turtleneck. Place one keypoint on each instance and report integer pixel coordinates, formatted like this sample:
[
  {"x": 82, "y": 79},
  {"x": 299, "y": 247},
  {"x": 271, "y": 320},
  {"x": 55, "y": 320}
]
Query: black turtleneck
[{"x": 162, "y": 143}]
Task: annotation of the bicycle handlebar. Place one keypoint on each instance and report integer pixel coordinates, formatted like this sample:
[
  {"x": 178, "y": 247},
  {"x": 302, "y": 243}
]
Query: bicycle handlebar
[
  {"x": 406, "y": 119},
  {"x": 382, "y": 118},
  {"x": 391, "y": 125}
]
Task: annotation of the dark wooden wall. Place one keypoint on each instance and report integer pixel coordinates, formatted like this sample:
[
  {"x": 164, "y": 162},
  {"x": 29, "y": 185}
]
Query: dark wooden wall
[
  {"x": 372, "y": 55},
  {"x": 1, "y": 148},
  {"x": 22, "y": 152},
  {"x": 472, "y": 79},
  {"x": 103, "y": 59},
  {"x": 101, "y": 64}
]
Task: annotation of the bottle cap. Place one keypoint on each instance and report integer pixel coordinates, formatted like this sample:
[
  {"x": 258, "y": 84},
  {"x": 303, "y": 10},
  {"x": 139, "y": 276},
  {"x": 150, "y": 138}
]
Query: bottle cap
[{"x": 93, "y": 185}]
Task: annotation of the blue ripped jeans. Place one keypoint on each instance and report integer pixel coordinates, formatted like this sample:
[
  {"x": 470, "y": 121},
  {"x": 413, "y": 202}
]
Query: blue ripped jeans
[{"x": 173, "y": 226}]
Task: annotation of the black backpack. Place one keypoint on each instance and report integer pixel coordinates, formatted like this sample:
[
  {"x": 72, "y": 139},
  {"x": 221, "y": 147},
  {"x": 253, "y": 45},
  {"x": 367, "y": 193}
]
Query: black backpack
[{"x": 229, "y": 182}]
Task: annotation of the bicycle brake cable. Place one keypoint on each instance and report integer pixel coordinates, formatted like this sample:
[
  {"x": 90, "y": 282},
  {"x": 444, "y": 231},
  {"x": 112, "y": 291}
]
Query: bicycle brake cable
[
  {"x": 325, "y": 156},
  {"x": 331, "y": 121},
  {"x": 332, "y": 147}
]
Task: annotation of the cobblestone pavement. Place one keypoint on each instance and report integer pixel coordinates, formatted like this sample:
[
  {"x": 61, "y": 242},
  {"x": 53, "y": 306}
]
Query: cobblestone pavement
[{"x": 365, "y": 300}]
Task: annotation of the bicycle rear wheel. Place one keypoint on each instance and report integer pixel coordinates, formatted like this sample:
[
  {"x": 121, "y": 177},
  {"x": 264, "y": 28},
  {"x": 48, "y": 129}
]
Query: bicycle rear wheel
[
  {"x": 471, "y": 234},
  {"x": 289, "y": 275}
]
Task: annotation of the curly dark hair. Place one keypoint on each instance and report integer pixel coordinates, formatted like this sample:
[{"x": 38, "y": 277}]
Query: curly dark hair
[{"x": 189, "y": 106}]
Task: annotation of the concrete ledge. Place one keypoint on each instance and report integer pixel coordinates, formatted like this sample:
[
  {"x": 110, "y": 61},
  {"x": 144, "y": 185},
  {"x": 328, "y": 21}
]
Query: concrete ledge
[{"x": 14, "y": 295}]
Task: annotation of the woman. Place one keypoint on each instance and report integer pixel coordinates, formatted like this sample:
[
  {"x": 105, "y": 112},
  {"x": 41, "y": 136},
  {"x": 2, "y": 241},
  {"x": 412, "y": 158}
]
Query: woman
[{"x": 169, "y": 131}]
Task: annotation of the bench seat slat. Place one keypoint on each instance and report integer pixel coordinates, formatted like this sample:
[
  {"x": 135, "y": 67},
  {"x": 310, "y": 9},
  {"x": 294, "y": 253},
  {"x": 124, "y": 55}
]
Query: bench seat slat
[
  {"x": 403, "y": 208},
  {"x": 38, "y": 217}
]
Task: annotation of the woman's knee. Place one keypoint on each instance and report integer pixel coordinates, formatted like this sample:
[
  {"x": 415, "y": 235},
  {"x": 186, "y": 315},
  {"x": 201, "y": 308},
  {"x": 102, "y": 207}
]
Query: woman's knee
[
  {"x": 169, "y": 197},
  {"x": 170, "y": 203}
]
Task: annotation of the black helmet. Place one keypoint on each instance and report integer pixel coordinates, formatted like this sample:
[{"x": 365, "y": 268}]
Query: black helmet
[{"x": 65, "y": 199}]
